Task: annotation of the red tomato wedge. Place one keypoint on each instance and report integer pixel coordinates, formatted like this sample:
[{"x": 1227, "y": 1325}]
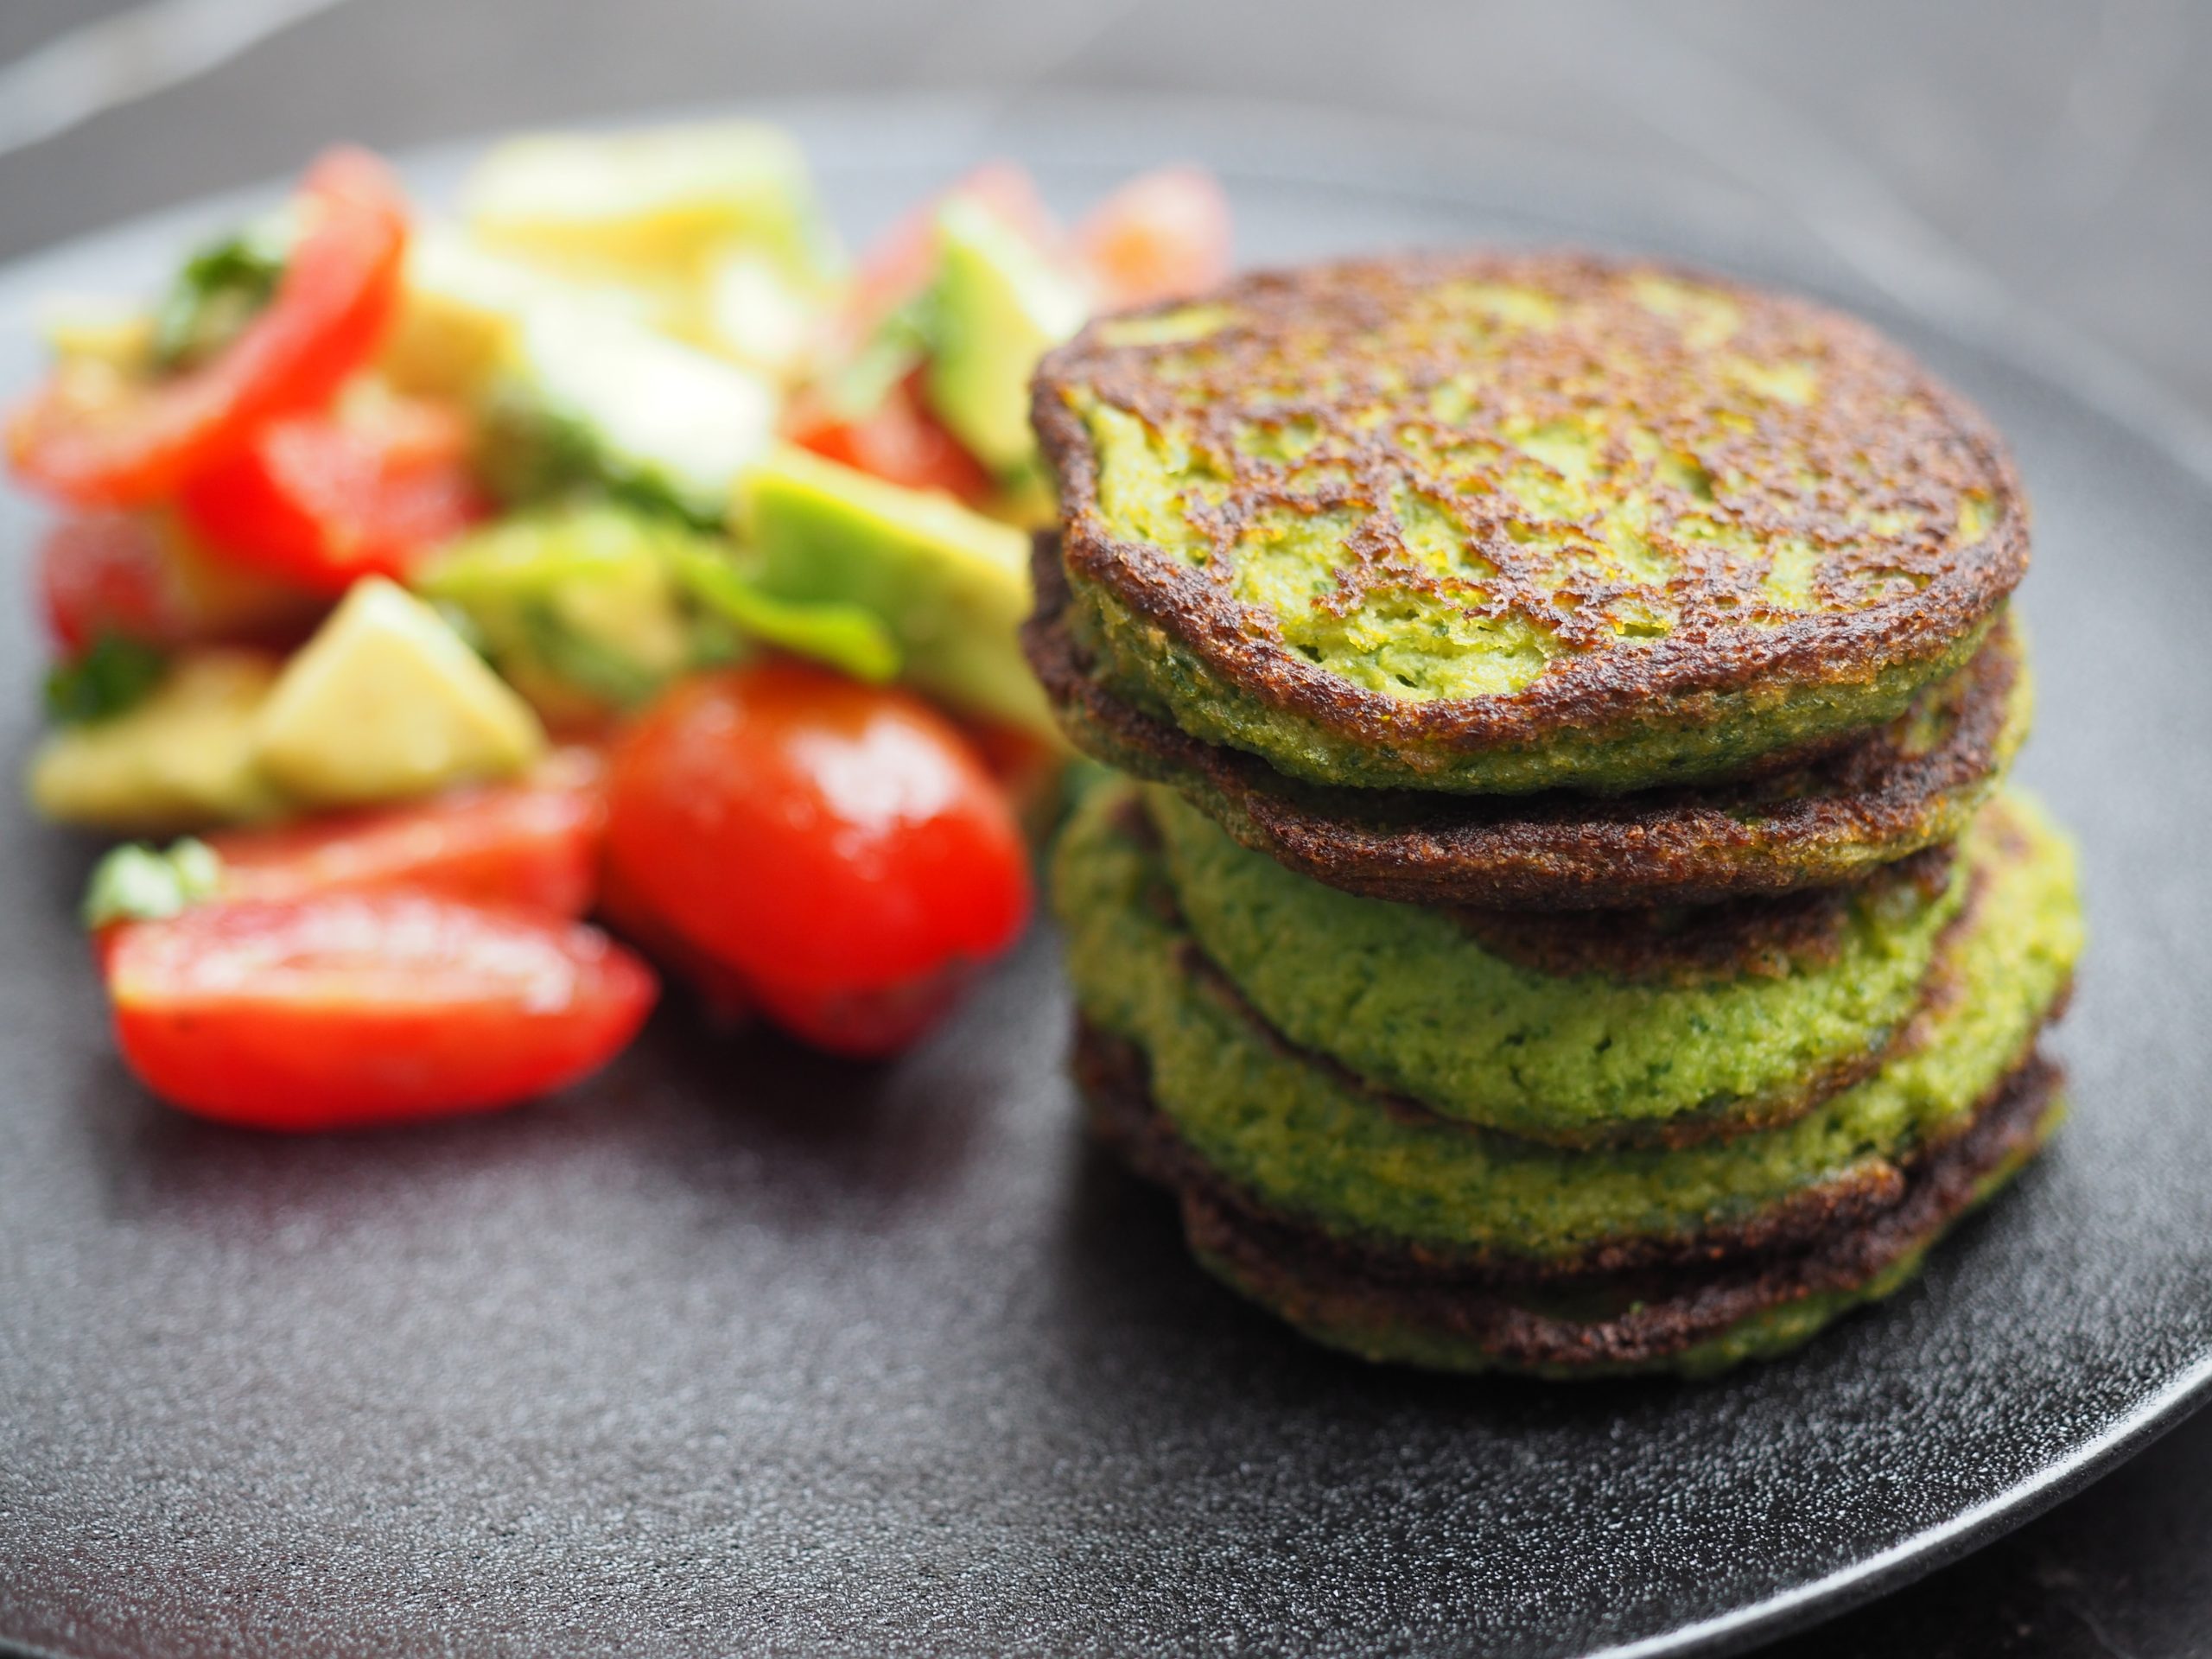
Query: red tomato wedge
[
  {"x": 322, "y": 500},
  {"x": 900, "y": 440},
  {"x": 347, "y": 1010},
  {"x": 527, "y": 847},
  {"x": 840, "y": 845},
  {"x": 136, "y": 576},
  {"x": 902, "y": 260},
  {"x": 97, "y": 439},
  {"x": 1164, "y": 235}
]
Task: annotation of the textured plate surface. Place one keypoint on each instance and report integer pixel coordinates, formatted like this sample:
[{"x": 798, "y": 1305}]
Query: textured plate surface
[{"x": 739, "y": 1350}]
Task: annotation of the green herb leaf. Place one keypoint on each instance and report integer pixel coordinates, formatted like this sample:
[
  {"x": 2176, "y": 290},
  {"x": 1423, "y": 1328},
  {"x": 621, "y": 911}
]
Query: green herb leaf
[
  {"x": 135, "y": 883},
  {"x": 111, "y": 677},
  {"x": 846, "y": 636},
  {"x": 221, "y": 288}
]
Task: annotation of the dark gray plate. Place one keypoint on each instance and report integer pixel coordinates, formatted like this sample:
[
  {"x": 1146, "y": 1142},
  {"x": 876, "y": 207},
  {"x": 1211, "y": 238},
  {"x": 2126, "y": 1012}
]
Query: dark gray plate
[{"x": 739, "y": 1350}]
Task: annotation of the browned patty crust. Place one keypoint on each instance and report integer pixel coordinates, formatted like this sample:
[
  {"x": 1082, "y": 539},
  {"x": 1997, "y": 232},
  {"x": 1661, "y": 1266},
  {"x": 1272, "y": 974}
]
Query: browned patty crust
[
  {"x": 1720, "y": 942},
  {"x": 1596, "y": 1315},
  {"x": 1813, "y": 512},
  {"x": 1911, "y": 785}
]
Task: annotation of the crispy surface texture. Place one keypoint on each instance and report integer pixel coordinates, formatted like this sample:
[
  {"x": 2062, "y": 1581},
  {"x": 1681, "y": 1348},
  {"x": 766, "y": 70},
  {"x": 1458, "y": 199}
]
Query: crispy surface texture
[
  {"x": 1653, "y": 1036},
  {"x": 1911, "y": 784},
  {"x": 1692, "y": 1317},
  {"x": 1304, "y": 1136},
  {"x": 1494, "y": 522}
]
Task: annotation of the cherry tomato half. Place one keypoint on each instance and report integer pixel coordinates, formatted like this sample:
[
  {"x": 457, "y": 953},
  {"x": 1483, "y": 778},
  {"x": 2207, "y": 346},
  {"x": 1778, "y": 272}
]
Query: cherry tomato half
[
  {"x": 95, "y": 438},
  {"x": 1164, "y": 235},
  {"x": 345, "y": 1009},
  {"x": 533, "y": 846},
  {"x": 324, "y": 499},
  {"x": 840, "y": 845}
]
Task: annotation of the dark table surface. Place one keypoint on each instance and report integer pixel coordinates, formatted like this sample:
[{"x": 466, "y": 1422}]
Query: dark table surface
[{"x": 2037, "y": 167}]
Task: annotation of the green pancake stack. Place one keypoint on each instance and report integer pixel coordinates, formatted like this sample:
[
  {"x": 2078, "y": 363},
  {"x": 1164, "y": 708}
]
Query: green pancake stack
[{"x": 1562, "y": 914}]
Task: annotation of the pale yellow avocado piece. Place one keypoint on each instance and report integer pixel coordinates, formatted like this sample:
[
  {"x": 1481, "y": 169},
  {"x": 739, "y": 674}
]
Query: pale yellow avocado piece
[
  {"x": 748, "y": 310},
  {"x": 654, "y": 200},
  {"x": 652, "y": 408},
  {"x": 463, "y": 307},
  {"x": 952, "y": 585},
  {"x": 387, "y": 702},
  {"x": 996, "y": 306},
  {"x": 115, "y": 332},
  {"x": 182, "y": 759}
]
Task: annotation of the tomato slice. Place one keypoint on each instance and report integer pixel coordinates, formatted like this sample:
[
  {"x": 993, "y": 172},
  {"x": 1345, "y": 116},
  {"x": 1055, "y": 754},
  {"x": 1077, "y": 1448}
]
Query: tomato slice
[
  {"x": 346, "y": 1009},
  {"x": 1165, "y": 235},
  {"x": 324, "y": 499},
  {"x": 139, "y": 576},
  {"x": 531, "y": 846},
  {"x": 95, "y": 438},
  {"x": 900, "y": 440},
  {"x": 829, "y": 840}
]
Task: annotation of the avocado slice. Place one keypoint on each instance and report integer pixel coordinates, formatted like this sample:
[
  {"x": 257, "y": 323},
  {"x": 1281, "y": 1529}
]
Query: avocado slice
[
  {"x": 598, "y": 401},
  {"x": 180, "y": 759},
  {"x": 651, "y": 203},
  {"x": 386, "y": 701},
  {"x": 461, "y": 309},
  {"x": 996, "y": 306},
  {"x": 575, "y": 606},
  {"x": 952, "y": 585}
]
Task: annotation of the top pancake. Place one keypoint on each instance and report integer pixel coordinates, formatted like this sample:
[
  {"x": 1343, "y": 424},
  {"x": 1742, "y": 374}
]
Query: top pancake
[{"x": 1499, "y": 522}]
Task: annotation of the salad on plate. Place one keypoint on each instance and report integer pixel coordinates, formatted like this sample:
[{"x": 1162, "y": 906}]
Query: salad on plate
[{"x": 463, "y": 622}]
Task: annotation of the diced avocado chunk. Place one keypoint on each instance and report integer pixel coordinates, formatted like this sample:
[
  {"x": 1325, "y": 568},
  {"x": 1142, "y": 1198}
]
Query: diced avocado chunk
[
  {"x": 748, "y": 310},
  {"x": 952, "y": 585},
  {"x": 592, "y": 608},
  {"x": 598, "y": 402},
  {"x": 653, "y": 201},
  {"x": 461, "y": 307},
  {"x": 996, "y": 306},
  {"x": 182, "y": 758},
  {"x": 386, "y": 701},
  {"x": 577, "y": 606},
  {"x": 88, "y": 329}
]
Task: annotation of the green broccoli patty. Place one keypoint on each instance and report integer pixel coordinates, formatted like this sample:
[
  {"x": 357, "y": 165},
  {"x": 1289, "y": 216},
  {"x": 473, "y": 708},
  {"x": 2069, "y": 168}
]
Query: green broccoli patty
[
  {"x": 1912, "y": 784},
  {"x": 1654, "y": 746},
  {"x": 1300, "y": 1139},
  {"x": 1411, "y": 999},
  {"x": 1693, "y": 1318},
  {"x": 1490, "y": 523}
]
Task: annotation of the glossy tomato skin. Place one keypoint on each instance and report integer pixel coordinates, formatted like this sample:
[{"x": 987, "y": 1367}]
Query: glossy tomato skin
[
  {"x": 347, "y": 1009},
  {"x": 533, "y": 846},
  {"x": 833, "y": 842},
  {"x": 93, "y": 439},
  {"x": 321, "y": 500},
  {"x": 1165, "y": 235}
]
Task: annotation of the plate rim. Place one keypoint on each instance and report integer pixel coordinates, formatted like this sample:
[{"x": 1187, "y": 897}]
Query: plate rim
[{"x": 2067, "y": 365}]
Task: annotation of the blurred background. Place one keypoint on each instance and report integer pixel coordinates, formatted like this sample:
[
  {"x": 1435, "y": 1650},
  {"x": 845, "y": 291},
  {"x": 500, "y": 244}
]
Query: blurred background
[
  {"x": 2031, "y": 169},
  {"x": 2046, "y": 158}
]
